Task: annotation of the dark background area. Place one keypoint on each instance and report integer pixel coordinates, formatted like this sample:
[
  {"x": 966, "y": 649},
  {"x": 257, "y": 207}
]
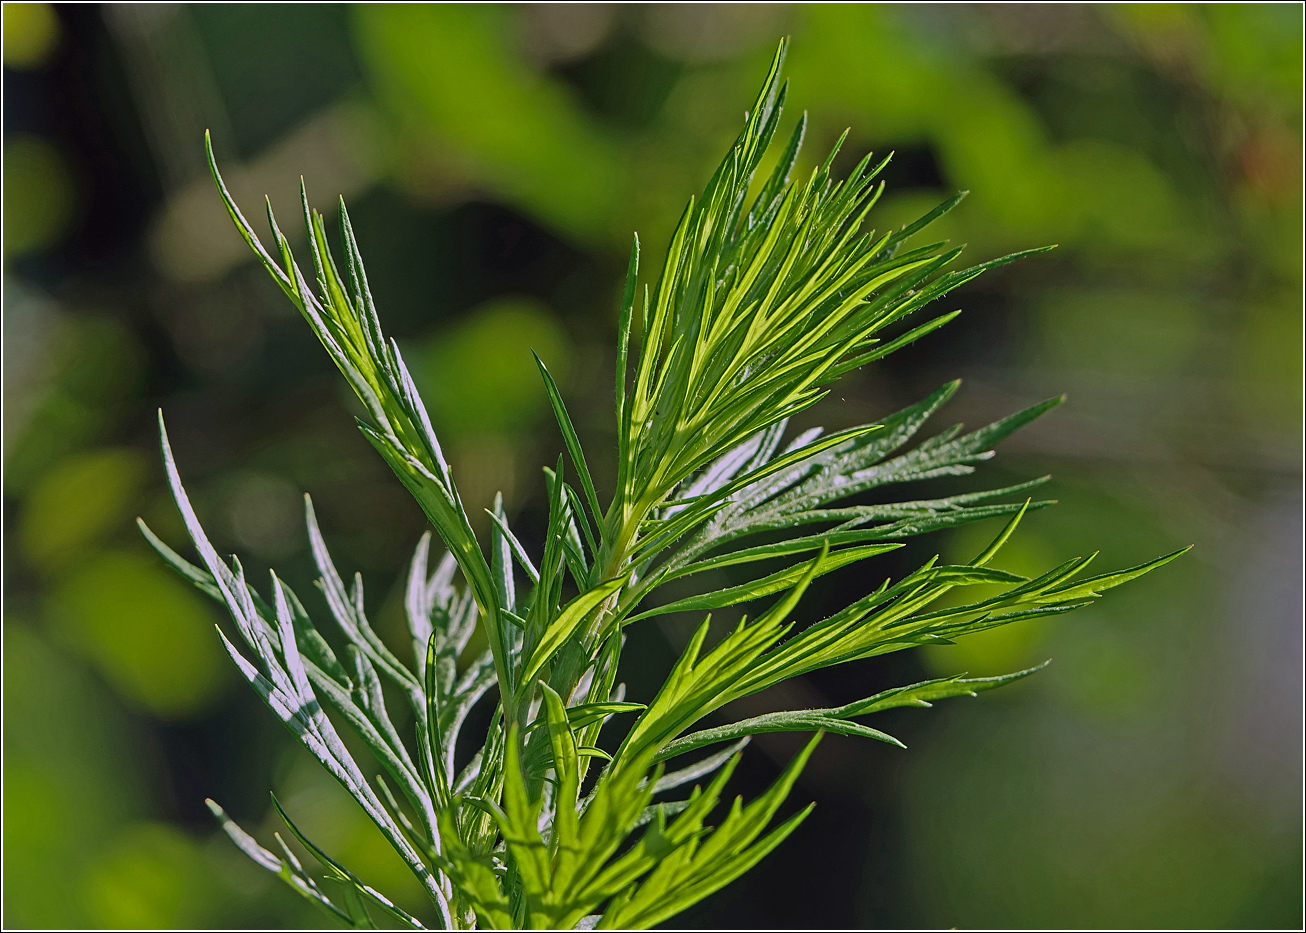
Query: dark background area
[{"x": 496, "y": 160}]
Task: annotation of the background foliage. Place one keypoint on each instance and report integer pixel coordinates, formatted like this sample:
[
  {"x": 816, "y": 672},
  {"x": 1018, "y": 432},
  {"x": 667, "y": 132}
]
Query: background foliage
[{"x": 1151, "y": 776}]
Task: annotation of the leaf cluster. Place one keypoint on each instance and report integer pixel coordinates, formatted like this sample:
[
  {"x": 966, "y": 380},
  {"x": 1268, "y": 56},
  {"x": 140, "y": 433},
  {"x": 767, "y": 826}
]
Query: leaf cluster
[{"x": 772, "y": 288}]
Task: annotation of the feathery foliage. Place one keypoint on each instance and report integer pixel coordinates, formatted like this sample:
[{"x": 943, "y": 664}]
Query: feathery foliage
[{"x": 771, "y": 289}]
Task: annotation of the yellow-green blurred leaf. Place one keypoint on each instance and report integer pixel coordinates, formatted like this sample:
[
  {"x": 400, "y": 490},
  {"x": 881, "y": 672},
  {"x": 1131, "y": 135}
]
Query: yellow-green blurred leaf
[
  {"x": 149, "y": 634},
  {"x": 82, "y": 498},
  {"x": 451, "y": 71},
  {"x": 38, "y": 193},
  {"x": 153, "y": 877},
  {"x": 480, "y": 378},
  {"x": 31, "y": 31}
]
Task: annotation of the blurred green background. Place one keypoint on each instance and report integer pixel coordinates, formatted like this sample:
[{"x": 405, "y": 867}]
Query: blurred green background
[{"x": 496, "y": 160}]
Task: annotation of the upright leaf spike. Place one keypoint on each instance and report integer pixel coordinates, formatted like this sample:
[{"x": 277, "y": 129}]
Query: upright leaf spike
[
  {"x": 623, "y": 329},
  {"x": 988, "y": 553},
  {"x": 569, "y": 436}
]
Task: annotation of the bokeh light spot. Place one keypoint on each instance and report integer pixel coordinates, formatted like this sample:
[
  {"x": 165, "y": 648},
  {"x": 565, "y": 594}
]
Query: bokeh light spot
[
  {"x": 77, "y": 501},
  {"x": 148, "y": 633},
  {"x": 153, "y": 878},
  {"x": 38, "y": 194},
  {"x": 480, "y": 377},
  {"x": 31, "y": 32}
]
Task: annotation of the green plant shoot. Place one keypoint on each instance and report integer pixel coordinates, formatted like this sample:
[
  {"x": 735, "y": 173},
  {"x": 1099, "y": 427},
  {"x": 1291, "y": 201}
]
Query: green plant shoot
[{"x": 771, "y": 289}]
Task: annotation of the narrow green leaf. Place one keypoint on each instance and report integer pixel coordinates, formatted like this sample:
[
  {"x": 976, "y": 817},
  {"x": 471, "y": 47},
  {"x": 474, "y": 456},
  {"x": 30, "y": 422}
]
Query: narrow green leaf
[
  {"x": 435, "y": 736},
  {"x": 918, "y": 225},
  {"x": 783, "y": 548},
  {"x": 788, "y": 721},
  {"x": 347, "y": 877},
  {"x": 569, "y": 435},
  {"x": 562, "y": 627},
  {"x": 700, "y": 768},
  {"x": 518, "y": 551},
  {"x": 501, "y": 557},
  {"x": 967, "y": 575},
  {"x": 987, "y": 554},
  {"x": 287, "y": 870},
  {"x": 910, "y": 337},
  {"x": 939, "y": 689},
  {"x": 773, "y": 583},
  {"x": 519, "y": 823},
  {"x": 588, "y": 713},
  {"x": 566, "y": 768},
  {"x": 623, "y": 336},
  {"x": 1094, "y": 586}
]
